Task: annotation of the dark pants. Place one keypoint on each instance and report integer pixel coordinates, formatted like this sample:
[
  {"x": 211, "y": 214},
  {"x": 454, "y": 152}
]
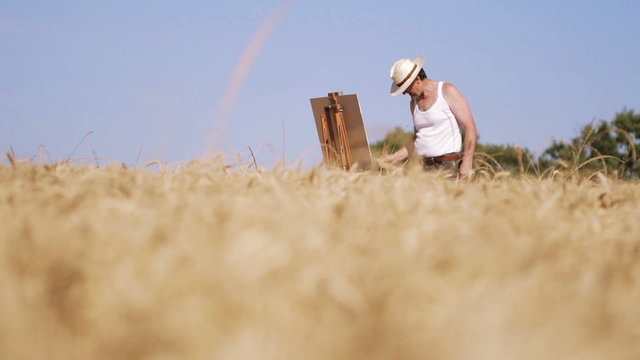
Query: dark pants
[{"x": 452, "y": 166}]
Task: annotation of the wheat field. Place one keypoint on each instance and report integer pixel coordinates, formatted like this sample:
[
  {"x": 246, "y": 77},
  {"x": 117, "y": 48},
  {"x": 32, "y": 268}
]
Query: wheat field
[{"x": 217, "y": 261}]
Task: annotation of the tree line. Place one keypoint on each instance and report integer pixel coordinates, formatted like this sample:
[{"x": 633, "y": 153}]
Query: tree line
[{"x": 607, "y": 146}]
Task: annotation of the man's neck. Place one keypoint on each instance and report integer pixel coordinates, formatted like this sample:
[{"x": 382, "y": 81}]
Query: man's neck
[{"x": 427, "y": 87}]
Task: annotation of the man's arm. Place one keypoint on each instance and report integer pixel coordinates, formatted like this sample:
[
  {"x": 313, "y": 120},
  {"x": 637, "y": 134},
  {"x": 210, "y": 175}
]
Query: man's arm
[
  {"x": 405, "y": 150},
  {"x": 462, "y": 112},
  {"x": 401, "y": 154}
]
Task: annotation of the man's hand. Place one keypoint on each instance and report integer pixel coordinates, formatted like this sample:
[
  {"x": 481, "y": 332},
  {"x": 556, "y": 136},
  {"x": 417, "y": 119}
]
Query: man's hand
[
  {"x": 384, "y": 162},
  {"x": 387, "y": 161},
  {"x": 466, "y": 168},
  {"x": 399, "y": 155},
  {"x": 391, "y": 158}
]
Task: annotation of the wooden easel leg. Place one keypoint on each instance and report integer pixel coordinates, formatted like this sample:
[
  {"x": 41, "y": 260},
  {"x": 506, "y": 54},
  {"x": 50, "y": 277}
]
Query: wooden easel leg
[
  {"x": 345, "y": 148},
  {"x": 342, "y": 141},
  {"x": 326, "y": 139}
]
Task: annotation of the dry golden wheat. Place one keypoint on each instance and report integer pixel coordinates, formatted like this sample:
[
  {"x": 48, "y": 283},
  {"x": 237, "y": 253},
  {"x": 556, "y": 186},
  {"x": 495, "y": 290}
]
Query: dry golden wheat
[{"x": 210, "y": 261}]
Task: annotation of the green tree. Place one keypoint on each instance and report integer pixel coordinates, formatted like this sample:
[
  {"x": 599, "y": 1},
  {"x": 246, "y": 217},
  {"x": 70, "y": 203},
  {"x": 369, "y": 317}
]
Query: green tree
[
  {"x": 505, "y": 157},
  {"x": 603, "y": 145},
  {"x": 392, "y": 142},
  {"x": 628, "y": 139}
]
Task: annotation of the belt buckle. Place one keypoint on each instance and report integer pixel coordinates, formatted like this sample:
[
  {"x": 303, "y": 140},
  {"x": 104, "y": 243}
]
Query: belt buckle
[{"x": 430, "y": 161}]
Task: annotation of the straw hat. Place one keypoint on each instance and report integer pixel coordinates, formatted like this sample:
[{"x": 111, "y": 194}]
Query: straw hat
[{"x": 403, "y": 72}]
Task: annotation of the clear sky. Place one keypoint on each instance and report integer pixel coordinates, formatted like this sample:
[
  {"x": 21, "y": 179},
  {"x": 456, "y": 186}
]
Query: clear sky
[{"x": 149, "y": 77}]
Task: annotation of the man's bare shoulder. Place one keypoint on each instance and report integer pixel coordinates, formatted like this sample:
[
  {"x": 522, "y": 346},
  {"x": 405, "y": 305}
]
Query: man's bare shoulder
[
  {"x": 449, "y": 88},
  {"x": 451, "y": 92}
]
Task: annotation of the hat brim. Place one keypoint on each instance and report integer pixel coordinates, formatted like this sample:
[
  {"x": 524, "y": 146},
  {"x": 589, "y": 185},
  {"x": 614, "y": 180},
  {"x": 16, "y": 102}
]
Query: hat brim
[{"x": 398, "y": 90}]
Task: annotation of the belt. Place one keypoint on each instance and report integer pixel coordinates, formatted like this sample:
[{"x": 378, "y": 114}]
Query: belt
[{"x": 440, "y": 159}]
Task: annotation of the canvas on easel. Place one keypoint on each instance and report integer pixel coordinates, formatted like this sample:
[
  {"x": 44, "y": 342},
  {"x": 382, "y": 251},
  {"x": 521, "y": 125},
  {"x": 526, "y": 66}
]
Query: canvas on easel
[{"x": 341, "y": 131}]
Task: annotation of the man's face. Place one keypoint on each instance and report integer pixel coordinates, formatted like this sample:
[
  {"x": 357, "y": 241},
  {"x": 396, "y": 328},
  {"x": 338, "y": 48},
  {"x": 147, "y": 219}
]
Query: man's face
[{"x": 413, "y": 88}]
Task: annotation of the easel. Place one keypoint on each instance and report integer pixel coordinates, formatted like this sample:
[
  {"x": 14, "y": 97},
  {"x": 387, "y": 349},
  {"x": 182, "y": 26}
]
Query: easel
[{"x": 335, "y": 142}]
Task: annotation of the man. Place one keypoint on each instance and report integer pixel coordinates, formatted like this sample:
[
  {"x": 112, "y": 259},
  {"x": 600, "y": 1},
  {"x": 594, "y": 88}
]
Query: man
[{"x": 439, "y": 110}]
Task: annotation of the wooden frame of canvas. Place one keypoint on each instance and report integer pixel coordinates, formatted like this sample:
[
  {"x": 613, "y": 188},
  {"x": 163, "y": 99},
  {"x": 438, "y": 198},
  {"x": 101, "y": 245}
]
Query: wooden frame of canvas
[{"x": 341, "y": 131}]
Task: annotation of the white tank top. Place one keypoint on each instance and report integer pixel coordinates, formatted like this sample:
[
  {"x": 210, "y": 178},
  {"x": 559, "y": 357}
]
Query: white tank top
[{"x": 437, "y": 130}]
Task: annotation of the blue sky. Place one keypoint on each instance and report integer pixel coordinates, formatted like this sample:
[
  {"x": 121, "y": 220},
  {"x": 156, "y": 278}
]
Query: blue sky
[{"x": 148, "y": 77}]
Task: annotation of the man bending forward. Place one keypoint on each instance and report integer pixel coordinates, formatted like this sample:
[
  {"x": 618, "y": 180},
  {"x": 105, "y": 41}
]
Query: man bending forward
[{"x": 439, "y": 110}]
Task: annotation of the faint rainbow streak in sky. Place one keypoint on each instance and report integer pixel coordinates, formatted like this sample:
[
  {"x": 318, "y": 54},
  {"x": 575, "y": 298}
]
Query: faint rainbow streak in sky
[{"x": 243, "y": 67}]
